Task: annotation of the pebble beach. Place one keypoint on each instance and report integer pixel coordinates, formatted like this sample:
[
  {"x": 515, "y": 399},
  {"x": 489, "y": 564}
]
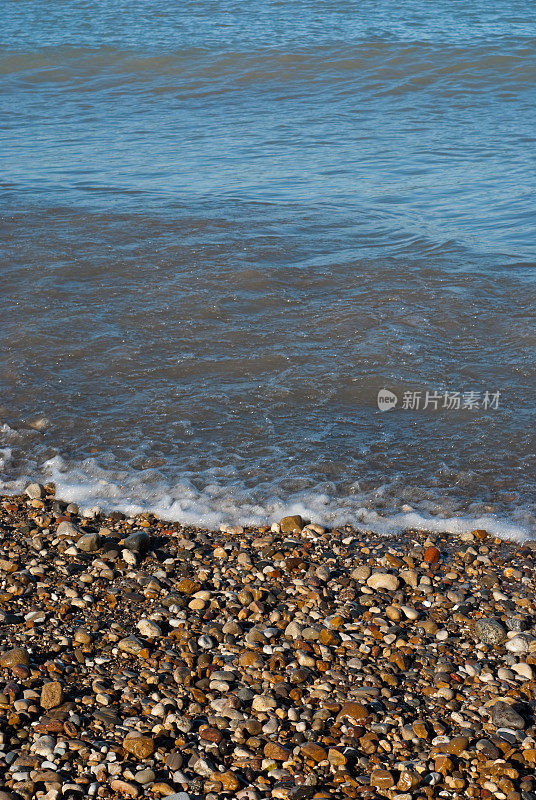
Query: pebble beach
[{"x": 143, "y": 659}]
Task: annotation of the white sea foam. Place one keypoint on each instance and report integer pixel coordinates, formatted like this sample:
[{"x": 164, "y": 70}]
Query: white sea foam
[{"x": 90, "y": 485}]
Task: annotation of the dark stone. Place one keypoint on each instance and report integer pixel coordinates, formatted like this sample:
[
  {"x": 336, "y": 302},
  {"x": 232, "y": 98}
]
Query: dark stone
[
  {"x": 137, "y": 542},
  {"x": 108, "y": 717},
  {"x": 302, "y": 792},
  {"x": 89, "y": 542},
  {"x": 504, "y": 716}
]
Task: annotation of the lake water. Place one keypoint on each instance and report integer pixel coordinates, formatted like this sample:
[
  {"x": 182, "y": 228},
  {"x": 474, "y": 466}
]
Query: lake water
[{"x": 226, "y": 226}]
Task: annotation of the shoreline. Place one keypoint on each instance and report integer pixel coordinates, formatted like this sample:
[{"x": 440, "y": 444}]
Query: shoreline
[{"x": 141, "y": 658}]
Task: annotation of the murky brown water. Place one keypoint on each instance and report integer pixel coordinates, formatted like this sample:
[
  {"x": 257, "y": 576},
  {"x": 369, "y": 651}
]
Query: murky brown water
[{"x": 225, "y": 228}]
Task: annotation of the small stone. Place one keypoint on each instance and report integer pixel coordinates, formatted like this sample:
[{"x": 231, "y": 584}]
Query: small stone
[
  {"x": 81, "y": 636},
  {"x": 293, "y": 630},
  {"x": 149, "y": 628},
  {"x": 336, "y": 757},
  {"x": 232, "y": 530},
  {"x": 51, "y": 695},
  {"x": 89, "y": 542},
  {"x": 137, "y": 542},
  {"x": 382, "y": 779},
  {"x": 524, "y": 671},
  {"x": 68, "y": 530},
  {"x": 125, "y": 788},
  {"x": 410, "y": 577},
  {"x": 504, "y": 716},
  {"x": 263, "y": 703},
  {"x": 431, "y": 555},
  {"x": 291, "y": 524},
  {"x": 520, "y": 643},
  {"x": 178, "y": 796},
  {"x": 34, "y": 491},
  {"x": 353, "y": 711},
  {"x": 420, "y": 729},
  {"x": 131, "y": 644},
  {"x": 174, "y": 761},
  {"x": 144, "y": 776},
  {"x": 314, "y": 751},
  {"x": 490, "y": 631},
  {"x": 129, "y": 557},
  {"x": 456, "y": 746},
  {"x": 15, "y": 657},
  {"x": 187, "y": 586},
  {"x": 361, "y": 573},
  {"x": 383, "y": 580},
  {"x": 228, "y": 780},
  {"x": 140, "y": 747},
  {"x": 276, "y": 751},
  {"x": 408, "y": 780},
  {"x": 327, "y": 637}
]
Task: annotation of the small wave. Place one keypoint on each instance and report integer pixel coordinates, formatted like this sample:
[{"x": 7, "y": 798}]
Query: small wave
[
  {"x": 380, "y": 68},
  {"x": 91, "y": 486}
]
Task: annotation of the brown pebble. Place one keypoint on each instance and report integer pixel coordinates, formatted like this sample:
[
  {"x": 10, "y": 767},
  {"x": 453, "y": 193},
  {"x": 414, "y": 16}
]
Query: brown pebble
[
  {"x": 15, "y": 657},
  {"x": 432, "y": 555},
  {"x": 276, "y": 751},
  {"x": 382, "y": 779},
  {"x": 51, "y": 695},
  {"x": 139, "y": 746}
]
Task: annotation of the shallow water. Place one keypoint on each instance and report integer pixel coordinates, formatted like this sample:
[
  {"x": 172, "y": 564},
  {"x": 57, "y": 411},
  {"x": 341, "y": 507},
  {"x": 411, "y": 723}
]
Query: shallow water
[{"x": 225, "y": 228}]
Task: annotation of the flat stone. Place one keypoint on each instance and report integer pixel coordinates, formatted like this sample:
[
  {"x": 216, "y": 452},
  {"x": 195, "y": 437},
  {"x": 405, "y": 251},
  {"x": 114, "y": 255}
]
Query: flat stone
[
  {"x": 456, "y": 746},
  {"x": 107, "y": 716},
  {"x": 51, "y": 695},
  {"x": 383, "y": 580},
  {"x": 352, "y": 710},
  {"x": 34, "y": 491},
  {"x": 187, "y": 586},
  {"x": 140, "y": 747},
  {"x": 149, "y": 628},
  {"x": 174, "y": 761},
  {"x": 521, "y": 643},
  {"x": 336, "y": 757},
  {"x": 89, "y": 542},
  {"x": 125, "y": 788},
  {"x": 144, "y": 776},
  {"x": 69, "y": 530},
  {"x": 490, "y": 631},
  {"x": 382, "y": 779},
  {"x": 314, "y": 751},
  {"x": 131, "y": 644},
  {"x": 178, "y": 796},
  {"x": 276, "y": 751},
  {"x": 504, "y": 716},
  {"x": 15, "y": 657}
]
